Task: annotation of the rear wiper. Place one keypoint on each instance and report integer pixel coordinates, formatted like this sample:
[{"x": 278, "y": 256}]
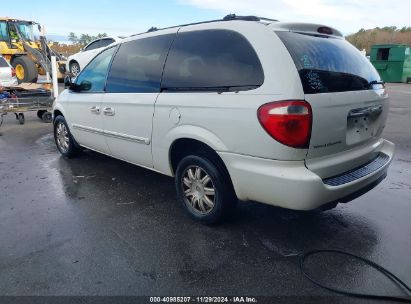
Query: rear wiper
[
  {"x": 218, "y": 89},
  {"x": 371, "y": 83}
]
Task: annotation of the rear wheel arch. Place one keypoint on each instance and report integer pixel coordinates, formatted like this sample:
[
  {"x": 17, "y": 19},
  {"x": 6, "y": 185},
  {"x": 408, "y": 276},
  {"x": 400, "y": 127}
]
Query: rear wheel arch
[
  {"x": 72, "y": 63},
  {"x": 188, "y": 153},
  {"x": 183, "y": 147}
]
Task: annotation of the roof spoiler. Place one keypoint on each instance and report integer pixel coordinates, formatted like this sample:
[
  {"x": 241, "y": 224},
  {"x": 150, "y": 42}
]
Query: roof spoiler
[{"x": 307, "y": 28}]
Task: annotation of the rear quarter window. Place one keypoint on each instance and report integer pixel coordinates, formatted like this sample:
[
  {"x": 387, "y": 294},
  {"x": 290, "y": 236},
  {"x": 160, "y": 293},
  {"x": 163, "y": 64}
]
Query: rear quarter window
[
  {"x": 106, "y": 42},
  {"x": 212, "y": 60},
  {"x": 92, "y": 46},
  {"x": 328, "y": 64}
]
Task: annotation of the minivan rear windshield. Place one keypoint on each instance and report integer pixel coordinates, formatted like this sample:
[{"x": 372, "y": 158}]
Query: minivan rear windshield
[{"x": 329, "y": 64}]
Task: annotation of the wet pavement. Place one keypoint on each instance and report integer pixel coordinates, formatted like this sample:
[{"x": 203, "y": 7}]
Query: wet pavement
[{"x": 98, "y": 226}]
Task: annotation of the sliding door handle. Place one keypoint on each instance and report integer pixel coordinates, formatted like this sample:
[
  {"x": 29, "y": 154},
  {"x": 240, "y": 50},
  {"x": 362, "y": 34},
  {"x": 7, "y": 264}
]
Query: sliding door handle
[
  {"x": 95, "y": 110},
  {"x": 109, "y": 111}
]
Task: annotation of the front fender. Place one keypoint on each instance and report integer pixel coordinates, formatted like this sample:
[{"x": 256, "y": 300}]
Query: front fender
[{"x": 57, "y": 104}]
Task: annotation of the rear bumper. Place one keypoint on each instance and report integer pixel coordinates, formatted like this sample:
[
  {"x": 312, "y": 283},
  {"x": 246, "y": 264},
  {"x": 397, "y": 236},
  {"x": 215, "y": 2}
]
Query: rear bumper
[{"x": 289, "y": 184}]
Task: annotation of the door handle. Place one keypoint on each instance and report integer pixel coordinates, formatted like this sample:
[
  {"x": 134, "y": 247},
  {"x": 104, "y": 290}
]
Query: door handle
[
  {"x": 95, "y": 110},
  {"x": 109, "y": 111}
]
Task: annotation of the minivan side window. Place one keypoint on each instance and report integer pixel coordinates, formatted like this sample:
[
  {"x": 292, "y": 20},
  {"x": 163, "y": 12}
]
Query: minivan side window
[
  {"x": 212, "y": 60},
  {"x": 93, "y": 76},
  {"x": 138, "y": 65}
]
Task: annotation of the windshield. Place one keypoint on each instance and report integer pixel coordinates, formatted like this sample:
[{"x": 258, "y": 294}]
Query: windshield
[
  {"x": 26, "y": 30},
  {"x": 328, "y": 64}
]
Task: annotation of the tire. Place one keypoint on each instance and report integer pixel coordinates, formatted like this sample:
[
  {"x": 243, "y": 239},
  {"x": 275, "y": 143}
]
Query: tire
[
  {"x": 62, "y": 135},
  {"x": 26, "y": 70},
  {"x": 206, "y": 208},
  {"x": 74, "y": 68},
  {"x": 40, "y": 113},
  {"x": 47, "y": 117}
]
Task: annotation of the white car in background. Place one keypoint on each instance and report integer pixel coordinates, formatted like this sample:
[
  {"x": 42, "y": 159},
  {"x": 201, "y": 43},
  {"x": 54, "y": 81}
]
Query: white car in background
[
  {"x": 7, "y": 74},
  {"x": 79, "y": 60}
]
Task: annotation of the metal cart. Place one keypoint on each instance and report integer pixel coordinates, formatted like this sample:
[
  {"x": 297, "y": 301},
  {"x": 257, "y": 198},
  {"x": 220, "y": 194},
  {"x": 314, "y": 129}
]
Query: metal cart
[{"x": 19, "y": 101}]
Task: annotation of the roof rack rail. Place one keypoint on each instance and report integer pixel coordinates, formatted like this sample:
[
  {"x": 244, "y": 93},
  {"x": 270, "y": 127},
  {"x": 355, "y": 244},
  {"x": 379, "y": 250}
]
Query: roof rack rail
[
  {"x": 152, "y": 29},
  {"x": 229, "y": 17},
  {"x": 246, "y": 18}
]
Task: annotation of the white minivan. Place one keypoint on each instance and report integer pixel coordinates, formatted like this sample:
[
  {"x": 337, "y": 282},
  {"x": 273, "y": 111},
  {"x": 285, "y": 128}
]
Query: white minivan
[{"x": 286, "y": 114}]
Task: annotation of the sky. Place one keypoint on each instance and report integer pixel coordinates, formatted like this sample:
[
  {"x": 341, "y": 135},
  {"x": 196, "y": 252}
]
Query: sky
[{"x": 126, "y": 17}]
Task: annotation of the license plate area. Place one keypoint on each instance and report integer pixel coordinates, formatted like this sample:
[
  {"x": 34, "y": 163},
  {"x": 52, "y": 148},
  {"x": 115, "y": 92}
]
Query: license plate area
[{"x": 363, "y": 124}]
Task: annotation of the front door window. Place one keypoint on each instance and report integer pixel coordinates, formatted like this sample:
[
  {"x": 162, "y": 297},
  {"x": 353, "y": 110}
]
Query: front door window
[{"x": 93, "y": 77}]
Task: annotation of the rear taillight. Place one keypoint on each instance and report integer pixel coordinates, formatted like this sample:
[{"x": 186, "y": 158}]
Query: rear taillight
[
  {"x": 288, "y": 122},
  {"x": 13, "y": 72}
]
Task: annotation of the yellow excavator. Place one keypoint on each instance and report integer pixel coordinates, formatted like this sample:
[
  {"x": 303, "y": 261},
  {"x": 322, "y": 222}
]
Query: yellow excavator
[{"x": 28, "y": 53}]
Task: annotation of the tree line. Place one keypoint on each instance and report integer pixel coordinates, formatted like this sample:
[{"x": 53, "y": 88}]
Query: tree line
[
  {"x": 77, "y": 43},
  {"x": 84, "y": 39},
  {"x": 364, "y": 39}
]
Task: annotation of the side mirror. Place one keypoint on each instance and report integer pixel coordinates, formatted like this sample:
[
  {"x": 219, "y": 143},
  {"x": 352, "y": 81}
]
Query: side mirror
[
  {"x": 68, "y": 82},
  {"x": 85, "y": 85}
]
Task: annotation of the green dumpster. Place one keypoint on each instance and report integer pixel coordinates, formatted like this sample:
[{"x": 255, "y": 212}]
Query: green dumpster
[{"x": 392, "y": 61}]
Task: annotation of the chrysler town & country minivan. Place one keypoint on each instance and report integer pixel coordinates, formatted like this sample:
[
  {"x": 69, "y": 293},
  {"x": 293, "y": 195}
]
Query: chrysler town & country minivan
[{"x": 243, "y": 108}]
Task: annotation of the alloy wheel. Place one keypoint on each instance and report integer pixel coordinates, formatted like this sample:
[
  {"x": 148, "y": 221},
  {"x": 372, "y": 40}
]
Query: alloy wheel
[
  {"x": 75, "y": 69},
  {"x": 62, "y": 137},
  {"x": 199, "y": 190}
]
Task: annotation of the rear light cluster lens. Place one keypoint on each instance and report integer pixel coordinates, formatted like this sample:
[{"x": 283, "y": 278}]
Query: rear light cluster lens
[
  {"x": 288, "y": 122},
  {"x": 13, "y": 72}
]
